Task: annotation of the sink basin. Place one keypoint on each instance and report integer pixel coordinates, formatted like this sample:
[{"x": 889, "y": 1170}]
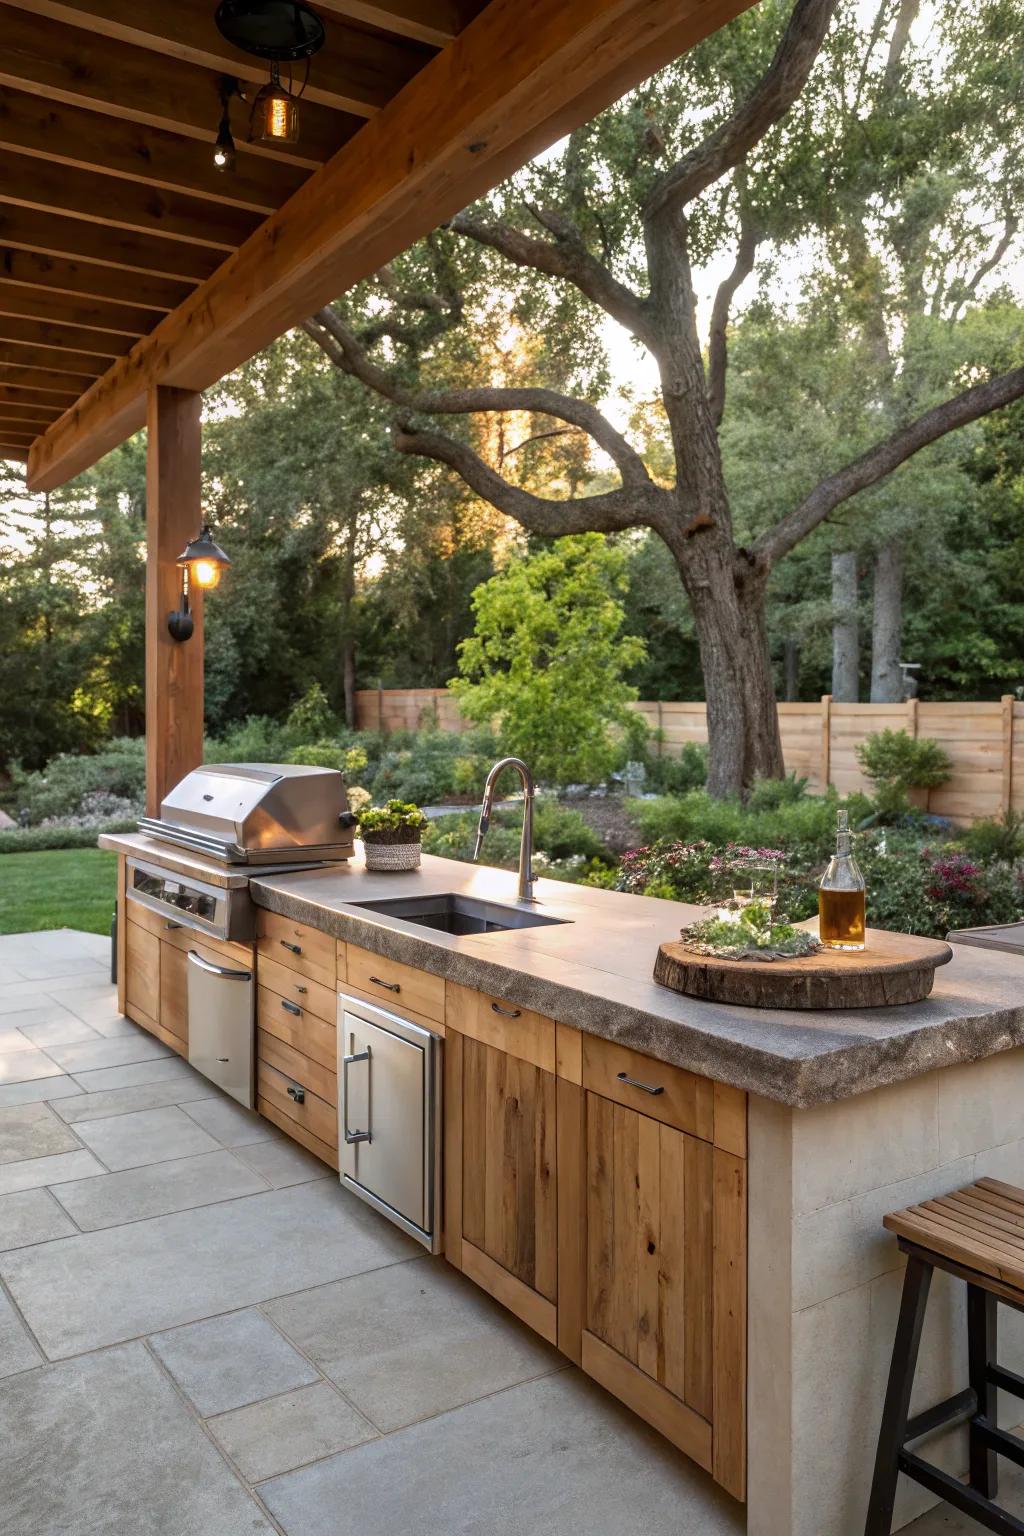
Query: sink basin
[{"x": 451, "y": 913}]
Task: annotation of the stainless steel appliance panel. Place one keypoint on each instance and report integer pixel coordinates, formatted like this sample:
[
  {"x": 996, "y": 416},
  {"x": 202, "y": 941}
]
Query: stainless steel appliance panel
[
  {"x": 389, "y": 1116},
  {"x": 221, "y": 1026},
  {"x": 189, "y": 903}
]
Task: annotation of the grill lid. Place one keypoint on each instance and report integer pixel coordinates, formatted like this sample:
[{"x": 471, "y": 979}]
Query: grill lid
[{"x": 258, "y": 812}]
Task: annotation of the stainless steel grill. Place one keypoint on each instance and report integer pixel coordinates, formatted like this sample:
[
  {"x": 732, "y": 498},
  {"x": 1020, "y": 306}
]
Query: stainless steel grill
[{"x": 258, "y": 813}]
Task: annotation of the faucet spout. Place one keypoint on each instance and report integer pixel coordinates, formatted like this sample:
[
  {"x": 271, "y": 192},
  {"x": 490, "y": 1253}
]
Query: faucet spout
[{"x": 526, "y": 879}]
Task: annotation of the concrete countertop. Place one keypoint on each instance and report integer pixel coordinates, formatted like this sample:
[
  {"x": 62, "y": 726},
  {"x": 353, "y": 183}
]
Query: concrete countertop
[
  {"x": 181, "y": 861},
  {"x": 594, "y": 971}
]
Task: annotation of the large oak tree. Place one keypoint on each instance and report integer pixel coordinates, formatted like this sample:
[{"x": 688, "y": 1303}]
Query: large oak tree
[{"x": 775, "y": 131}]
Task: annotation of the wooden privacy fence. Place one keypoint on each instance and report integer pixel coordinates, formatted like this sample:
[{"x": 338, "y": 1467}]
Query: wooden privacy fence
[{"x": 985, "y": 742}]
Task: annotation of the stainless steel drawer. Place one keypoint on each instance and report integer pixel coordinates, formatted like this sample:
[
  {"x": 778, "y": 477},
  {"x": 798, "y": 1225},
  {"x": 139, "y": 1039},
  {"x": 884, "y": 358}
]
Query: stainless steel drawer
[{"x": 221, "y": 1025}]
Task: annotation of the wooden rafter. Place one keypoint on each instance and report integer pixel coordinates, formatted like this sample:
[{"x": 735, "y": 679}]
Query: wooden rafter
[
  {"x": 75, "y": 136},
  {"x": 53, "y": 359},
  {"x": 69, "y": 64},
  {"x": 44, "y": 380},
  {"x": 11, "y": 394},
  {"x": 121, "y": 322},
  {"x": 43, "y": 272},
  {"x": 39, "y": 333},
  {"x": 428, "y": 21},
  {"x": 30, "y": 413},
  {"x": 355, "y": 71},
  {"x": 28, "y": 229},
  {"x": 520, "y": 75}
]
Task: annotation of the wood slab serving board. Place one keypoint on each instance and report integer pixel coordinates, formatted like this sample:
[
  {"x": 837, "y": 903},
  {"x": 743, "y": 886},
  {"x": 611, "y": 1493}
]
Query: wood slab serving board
[{"x": 893, "y": 968}]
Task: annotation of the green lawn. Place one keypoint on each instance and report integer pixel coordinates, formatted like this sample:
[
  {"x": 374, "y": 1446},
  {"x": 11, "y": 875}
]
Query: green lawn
[{"x": 69, "y": 888}]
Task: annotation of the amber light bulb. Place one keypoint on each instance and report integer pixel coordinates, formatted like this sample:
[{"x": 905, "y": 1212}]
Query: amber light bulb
[{"x": 206, "y": 574}]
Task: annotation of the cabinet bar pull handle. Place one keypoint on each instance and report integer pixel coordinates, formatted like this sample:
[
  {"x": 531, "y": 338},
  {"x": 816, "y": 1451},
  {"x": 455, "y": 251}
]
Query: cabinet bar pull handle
[
  {"x": 303, "y": 990},
  {"x": 392, "y": 986},
  {"x": 346, "y": 1062},
  {"x": 291, "y": 1008},
  {"x": 507, "y": 1013},
  {"x": 632, "y": 1082},
  {"x": 296, "y": 949},
  {"x": 173, "y": 927},
  {"x": 296, "y": 1093}
]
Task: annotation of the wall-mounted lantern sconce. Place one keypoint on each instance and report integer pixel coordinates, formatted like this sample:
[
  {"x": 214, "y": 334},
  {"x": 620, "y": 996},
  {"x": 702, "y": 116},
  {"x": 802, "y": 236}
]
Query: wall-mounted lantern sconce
[{"x": 201, "y": 563}]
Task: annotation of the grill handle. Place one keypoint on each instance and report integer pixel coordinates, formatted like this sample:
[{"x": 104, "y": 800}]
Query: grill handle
[{"x": 218, "y": 970}]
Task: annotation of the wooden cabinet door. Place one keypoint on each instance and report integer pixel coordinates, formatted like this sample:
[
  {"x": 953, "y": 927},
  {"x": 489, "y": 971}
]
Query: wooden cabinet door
[
  {"x": 504, "y": 1214},
  {"x": 142, "y": 975},
  {"x": 663, "y": 1303},
  {"x": 174, "y": 996}
]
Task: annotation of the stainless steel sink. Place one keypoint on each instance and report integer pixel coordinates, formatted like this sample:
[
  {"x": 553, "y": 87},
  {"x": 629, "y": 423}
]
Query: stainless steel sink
[{"x": 451, "y": 913}]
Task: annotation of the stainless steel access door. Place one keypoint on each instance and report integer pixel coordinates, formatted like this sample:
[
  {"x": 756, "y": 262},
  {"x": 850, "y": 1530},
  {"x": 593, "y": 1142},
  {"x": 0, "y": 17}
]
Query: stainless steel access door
[
  {"x": 389, "y": 1116},
  {"x": 221, "y": 1025}
]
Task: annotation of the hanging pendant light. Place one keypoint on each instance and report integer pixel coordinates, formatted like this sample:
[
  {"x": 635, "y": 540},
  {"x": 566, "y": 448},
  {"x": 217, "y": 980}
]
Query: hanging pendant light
[{"x": 282, "y": 32}]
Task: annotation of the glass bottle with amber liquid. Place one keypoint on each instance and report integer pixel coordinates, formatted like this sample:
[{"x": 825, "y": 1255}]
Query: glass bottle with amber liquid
[{"x": 842, "y": 895}]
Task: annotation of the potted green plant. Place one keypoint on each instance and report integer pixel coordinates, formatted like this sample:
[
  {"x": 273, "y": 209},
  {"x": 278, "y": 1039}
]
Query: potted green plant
[{"x": 391, "y": 835}]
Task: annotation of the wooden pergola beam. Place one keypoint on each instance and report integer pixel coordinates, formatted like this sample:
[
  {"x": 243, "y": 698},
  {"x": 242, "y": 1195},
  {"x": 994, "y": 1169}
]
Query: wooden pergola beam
[
  {"x": 41, "y": 272},
  {"x": 121, "y": 323},
  {"x": 53, "y": 359},
  {"x": 52, "y": 233},
  {"x": 519, "y": 74},
  {"x": 11, "y": 394},
  {"x": 76, "y": 136},
  {"x": 45, "y": 381},
  {"x": 68, "y": 64},
  {"x": 39, "y": 333},
  {"x": 354, "y": 72},
  {"x": 427, "y": 21}
]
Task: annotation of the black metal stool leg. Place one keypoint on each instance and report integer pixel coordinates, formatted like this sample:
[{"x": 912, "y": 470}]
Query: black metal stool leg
[
  {"x": 982, "y": 1312},
  {"x": 893, "y": 1432}
]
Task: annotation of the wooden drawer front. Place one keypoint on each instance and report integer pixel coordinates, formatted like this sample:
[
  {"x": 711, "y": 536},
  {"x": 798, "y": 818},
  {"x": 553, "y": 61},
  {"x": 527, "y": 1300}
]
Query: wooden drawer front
[
  {"x": 391, "y": 981},
  {"x": 300, "y": 948},
  {"x": 311, "y": 996},
  {"x": 304, "y": 1032},
  {"x": 296, "y": 1065},
  {"x": 182, "y": 937},
  {"x": 314, "y": 1114},
  {"x": 142, "y": 963},
  {"x": 174, "y": 992},
  {"x": 685, "y": 1101},
  {"x": 496, "y": 1022},
  {"x": 298, "y": 1133}
]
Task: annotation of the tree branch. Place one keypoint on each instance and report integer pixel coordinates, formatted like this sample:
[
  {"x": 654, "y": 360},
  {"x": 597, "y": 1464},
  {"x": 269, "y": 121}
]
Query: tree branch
[
  {"x": 717, "y": 354},
  {"x": 883, "y": 458},
  {"x": 567, "y": 258},
  {"x": 960, "y": 293},
  {"x": 341, "y": 345},
  {"x": 610, "y": 513},
  {"x": 769, "y": 102}
]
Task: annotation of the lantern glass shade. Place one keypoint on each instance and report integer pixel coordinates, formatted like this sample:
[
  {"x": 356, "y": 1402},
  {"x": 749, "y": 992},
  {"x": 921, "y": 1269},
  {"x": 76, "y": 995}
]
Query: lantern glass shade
[
  {"x": 275, "y": 115},
  {"x": 204, "y": 561}
]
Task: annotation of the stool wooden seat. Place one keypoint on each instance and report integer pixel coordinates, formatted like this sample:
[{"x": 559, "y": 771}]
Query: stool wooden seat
[{"x": 977, "y": 1235}]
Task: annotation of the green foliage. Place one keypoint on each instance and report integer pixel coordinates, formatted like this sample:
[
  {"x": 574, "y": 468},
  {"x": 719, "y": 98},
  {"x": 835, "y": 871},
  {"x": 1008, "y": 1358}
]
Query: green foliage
[
  {"x": 256, "y": 739},
  {"x": 429, "y": 766},
  {"x": 1000, "y": 838},
  {"x": 60, "y": 788},
  {"x": 750, "y": 933},
  {"x": 41, "y": 839},
  {"x": 896, "y": 763},
  {"x": 770, "y": 794},
  {"x": 547, "y": 658},
  {"x": 58, "y": 890},
  {"x": 311, "y": 718},
  {"x": 559, "y": 833},
  {"x": 804, "y": 828},
  {"x": 676, "y": 775},
  {"x": 350, "y": 761},
  {"x": 396, "y": 821}
]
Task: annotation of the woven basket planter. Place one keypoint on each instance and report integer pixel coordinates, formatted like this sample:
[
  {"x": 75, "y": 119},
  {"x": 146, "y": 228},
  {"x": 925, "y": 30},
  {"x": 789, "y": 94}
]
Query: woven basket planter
[{"x": 394, "y": 856}]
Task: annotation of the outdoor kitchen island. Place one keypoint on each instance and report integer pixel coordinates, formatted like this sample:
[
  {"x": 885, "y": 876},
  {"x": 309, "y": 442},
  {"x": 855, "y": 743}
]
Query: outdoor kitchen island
[{"x": 712, "y": 1254}]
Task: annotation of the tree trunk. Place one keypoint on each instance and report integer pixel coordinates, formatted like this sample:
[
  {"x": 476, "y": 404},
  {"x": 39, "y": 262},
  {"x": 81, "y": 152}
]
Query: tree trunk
[
  {"x": 348, "y": 637},
  {"x": 729, "y": 615},
  {"x": 791, "y": 669},
  {"x": 887, "y": 629},
  {"x": 845, "y": 637}
]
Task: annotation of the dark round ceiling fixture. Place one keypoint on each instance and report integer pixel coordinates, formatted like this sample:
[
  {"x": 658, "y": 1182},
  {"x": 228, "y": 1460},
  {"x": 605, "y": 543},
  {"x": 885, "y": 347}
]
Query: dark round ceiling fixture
[{"x": 282, "y": 30}]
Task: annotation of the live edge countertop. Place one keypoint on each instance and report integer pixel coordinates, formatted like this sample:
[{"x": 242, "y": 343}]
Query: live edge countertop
[{"x": 594, "y": 971}]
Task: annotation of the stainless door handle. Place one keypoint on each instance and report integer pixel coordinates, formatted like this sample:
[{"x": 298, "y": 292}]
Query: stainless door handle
[
  {"x": 633, "y": 1082},
  {"x": 296, "y": 1093},
  {"x": 296, "y": 949},
  {"x": 291, "y": 1007},
  {"x": 346, "y": 1062},
  {"x": 173, "y": 927},
  {"x": 392, "y": 986},
  {"x": 507, "y": 1013},
  {"x": 218, "y": 970}
]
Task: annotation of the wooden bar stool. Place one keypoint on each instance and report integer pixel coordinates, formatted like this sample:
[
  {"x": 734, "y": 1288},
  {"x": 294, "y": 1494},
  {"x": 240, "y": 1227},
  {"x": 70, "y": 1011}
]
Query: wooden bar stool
[{"x": 976, "y": 1234}]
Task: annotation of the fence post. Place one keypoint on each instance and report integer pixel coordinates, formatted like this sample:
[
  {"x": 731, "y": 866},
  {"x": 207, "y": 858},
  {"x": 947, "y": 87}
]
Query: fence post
[
  {"x": 661, "y": 739},
  {"x": 1007, "y": 787},
  {"x": 912, "y": 718},
  {"x": 826, "y": 739}
]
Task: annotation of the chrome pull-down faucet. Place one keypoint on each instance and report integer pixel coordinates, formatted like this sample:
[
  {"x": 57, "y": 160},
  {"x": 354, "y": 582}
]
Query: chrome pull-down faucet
[{"x": 525, "y": 892}]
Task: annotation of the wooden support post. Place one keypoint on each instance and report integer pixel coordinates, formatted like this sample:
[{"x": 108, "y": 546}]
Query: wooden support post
[
  {"x": 1007, "y": 785},
  {"x": 826, "y": 739},
  {"x": 174, "y": 669}
]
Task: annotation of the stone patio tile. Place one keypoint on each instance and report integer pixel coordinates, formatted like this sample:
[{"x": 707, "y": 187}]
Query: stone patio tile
[
  {"x": 282, "y": 1162},
  {"x": 268, "y": 1438},
  {"x": 37, "y": 967},
  {"x": 26, "y": 1064},
  {"x": 90, "y": 1055},
  {"x": 33, "y": 1130},
  {"x": 412, "y": 1341},
  {"x": 60, "y": 1027},
  {"x": 110, "y": 1199},
  {"x": 110, "y": 1024},
  {"x": 19, "y": 996},
  {"x": 164, "y": 1069},
  {"x": 225, "y": 1362},
  {"x": 83, "y": 1292},
  {"x": 31, "y": 1216},
  {"x": 37, "y": 1172},
  {"x": 124, "y": 1101},
  {"x": 104, "y": 1445},
  {"x": 230, "y": 1123},
  {"x": 17, "y": 1353},
  {"x": 39, "y": 1089},
  {"x": 11, "y": 1037},
  {"x": 147, "y": 1136},
  {"x": 551, "y": 1458}
]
